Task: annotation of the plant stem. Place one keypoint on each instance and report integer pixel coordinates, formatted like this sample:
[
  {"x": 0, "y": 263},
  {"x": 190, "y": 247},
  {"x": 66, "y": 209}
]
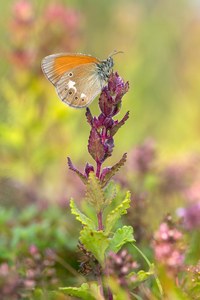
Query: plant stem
[
  {"x": 99, "y": 279},
  {"x": 98, "y": 169},
  {"x": 150, "y": 266},
  {"x": 100, "y": 226},
  {"x": 99, "y": 214}
]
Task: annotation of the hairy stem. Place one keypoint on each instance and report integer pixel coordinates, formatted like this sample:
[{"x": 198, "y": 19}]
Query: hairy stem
[
  {"x": 99, "y": 214},
  {"x": 100, "y": 226},
  {"x": 98, "y": 171}
]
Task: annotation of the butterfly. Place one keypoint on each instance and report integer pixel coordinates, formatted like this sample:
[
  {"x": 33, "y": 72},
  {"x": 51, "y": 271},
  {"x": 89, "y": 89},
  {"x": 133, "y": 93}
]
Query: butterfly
[{"x": 78, "y": 78}]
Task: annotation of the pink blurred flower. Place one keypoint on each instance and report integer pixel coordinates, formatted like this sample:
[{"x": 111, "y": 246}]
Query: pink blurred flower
[
  {"x": 191, "y": 216},
  {"x": 34, "y": 36},
  {"x": 63, "y": 15},
  {"x": 23, "y": 11},
  {"x": 141, "y": 158},
  {"x": 167, "y": 246},
  {"x": 120, "y": 265},
  {"x": 193, "y": 192},
  {"x": 178, "y": 177}
]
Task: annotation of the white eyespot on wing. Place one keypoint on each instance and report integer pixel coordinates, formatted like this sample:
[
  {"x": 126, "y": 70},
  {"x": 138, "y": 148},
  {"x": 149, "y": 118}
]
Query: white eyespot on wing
[
  {"x": 83, "y": 95},
  {"x": 71, "y": 85}
]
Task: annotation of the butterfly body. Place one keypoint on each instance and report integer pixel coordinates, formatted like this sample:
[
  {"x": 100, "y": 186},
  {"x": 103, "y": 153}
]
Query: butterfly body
[{"x": 78, "y": 78}]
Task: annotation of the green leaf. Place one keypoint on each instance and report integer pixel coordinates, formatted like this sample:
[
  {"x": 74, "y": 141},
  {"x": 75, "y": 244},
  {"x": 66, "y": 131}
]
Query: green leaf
[
  {"x": 116, "y": 213},
  {"x": 94, "y": 192},
  {"x": 110, "y": 192},
  {"x": 95, "y": 241},
  {"x": 80, "y": 216},
  {"x": 193, "y": 253},
  {"x": 113, "y": 170},
  {"x": 121, "y": 236},
  {"x": 85, "y": 291},
  {"x": 143, "y": 275}
]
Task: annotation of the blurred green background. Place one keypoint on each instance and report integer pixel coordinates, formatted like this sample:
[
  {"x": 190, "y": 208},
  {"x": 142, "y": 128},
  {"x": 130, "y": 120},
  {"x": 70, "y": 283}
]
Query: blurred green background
[{"x": 161, "y": 60}]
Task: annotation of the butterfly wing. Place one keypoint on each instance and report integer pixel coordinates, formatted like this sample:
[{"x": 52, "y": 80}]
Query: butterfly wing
[
  {"x": 56, "y": 65},
  {"x": 80, "y": 85}
]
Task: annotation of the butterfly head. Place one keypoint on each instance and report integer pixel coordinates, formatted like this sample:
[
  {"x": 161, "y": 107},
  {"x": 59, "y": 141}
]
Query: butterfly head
[{"x": 105, "y": 68}]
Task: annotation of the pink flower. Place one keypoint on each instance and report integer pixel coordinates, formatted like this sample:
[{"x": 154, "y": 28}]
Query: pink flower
[
  {"x": 23, "y": 11},
  {"x": 142, "y": 157},
  {"x": 193, "y": 192},
  {"x": 65, "y": 16},
  {"x": 191, "y": 216},
  {"x": 167, "y": 246}
]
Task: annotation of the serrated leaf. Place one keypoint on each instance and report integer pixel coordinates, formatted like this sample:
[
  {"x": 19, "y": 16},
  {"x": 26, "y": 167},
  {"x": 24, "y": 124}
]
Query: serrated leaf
[
  {"x": 82, "y": 292},
  {"x": 80, "y": 216},
  {"x": 110, "y": 192},
  {"x": 94, "y": 193},
  {"x": 121, "y": 236},
  {"x": 89, "y": 116},
  {"x": 115, "y": 128},
  {"x": 95, "y": 241},
  {"x": 116, "y": 213},
  {"x": 72, "y": 168},
  {"x": 95, "y": 146},
  {"x": 112, "y": 171}
]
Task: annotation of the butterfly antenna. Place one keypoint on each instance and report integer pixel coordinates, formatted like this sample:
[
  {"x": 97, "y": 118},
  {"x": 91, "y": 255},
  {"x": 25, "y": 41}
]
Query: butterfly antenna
[{"x": 115, "y": 52}]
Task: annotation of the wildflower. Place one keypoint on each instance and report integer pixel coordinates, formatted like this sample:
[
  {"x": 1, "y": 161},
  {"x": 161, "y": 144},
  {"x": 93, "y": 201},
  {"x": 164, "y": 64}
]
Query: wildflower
[
  {"x": 103, "y": 129},
  {"x": 23, "y": 13},
  {"x": 10, "y": 282},
  {"x": 190, "y": 216},
  {"x": 167, "y": 246},
  {"x": 142, "y": 157},
  {"x": 120, "y": 265}
]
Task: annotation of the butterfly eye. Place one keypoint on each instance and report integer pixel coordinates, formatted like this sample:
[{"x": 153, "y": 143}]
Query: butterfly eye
[{"x": 70, "y": 74}]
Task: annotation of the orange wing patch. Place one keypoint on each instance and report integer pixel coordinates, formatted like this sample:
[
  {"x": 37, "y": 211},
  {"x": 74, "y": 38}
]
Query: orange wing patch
[
  {"x": 54, "y": 66},
  {"x": 65, "y": 63}
]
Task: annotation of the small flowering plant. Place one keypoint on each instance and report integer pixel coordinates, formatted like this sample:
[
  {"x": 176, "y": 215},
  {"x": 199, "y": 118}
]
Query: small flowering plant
[{"x": 101, "y": 240}]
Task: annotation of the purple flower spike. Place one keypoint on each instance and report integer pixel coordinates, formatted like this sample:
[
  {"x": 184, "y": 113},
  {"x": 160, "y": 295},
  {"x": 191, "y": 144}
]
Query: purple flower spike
[
  {"x": 103, "y": 129},
  {"x": 111, "y": 96}
]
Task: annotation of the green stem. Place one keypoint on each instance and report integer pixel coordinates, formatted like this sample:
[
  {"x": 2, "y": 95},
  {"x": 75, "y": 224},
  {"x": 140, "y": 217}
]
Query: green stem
[{"x": 149, "y": 264}]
